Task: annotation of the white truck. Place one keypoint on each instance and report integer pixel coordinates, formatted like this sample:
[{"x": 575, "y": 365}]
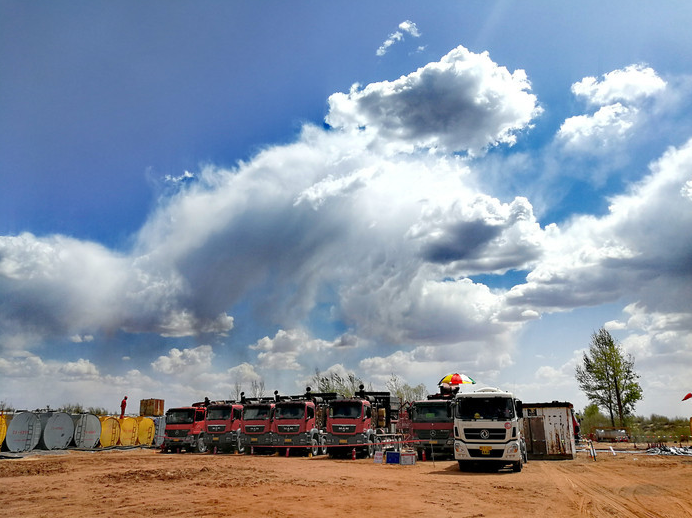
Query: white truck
[{"x": 488, "y": 429}]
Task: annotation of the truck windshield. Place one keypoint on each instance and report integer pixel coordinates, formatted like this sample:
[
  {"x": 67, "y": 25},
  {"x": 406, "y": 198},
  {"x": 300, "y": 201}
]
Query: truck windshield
[
  {"x": 345, "y": 410},
  {"x": 288, "y": 411},
  {"x": 180, "y": 416},
  {"x": 500, "y": 408},
  {"x": 219, "y": 413},
  {"x": 429, "y": 412},
  {"x": 251, "y": 413}
]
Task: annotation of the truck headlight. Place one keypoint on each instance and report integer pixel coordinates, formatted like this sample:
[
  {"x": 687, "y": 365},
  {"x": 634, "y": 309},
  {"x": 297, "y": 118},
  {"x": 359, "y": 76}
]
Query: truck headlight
[{"x": 513, "y": 448}]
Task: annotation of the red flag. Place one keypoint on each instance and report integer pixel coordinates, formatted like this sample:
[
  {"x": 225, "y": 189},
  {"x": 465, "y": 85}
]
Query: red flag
[{"x": 688, "y": 396}]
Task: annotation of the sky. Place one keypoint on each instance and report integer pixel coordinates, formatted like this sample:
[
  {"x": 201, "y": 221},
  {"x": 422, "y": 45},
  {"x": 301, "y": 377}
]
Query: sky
[{"x": 199, "y": 196}]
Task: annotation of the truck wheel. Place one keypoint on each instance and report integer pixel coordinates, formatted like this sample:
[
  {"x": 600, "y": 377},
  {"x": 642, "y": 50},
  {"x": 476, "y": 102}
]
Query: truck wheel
[
  {"x": 314, "y": 447},
  {"x": 323, "y": 444},
  {"x": 371, "y": 447},
  {"x": 200, "y": 446},
  {"x": 240, "y": 448},
  {"x": 516, "y": 467}
]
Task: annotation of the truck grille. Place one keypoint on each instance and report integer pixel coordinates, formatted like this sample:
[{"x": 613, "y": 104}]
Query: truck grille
[
  {"x": 494, "y": 454},
  {"x": 216, "y": 428},
  {"x": 478, "y": 434},
  {"x": 343, "y": 428},
  {"x": 176, "y": 433},
  {"x": 288, "y": 428},
  {"x": 433, "y": 434},
  {"x": 254, "y": 428}
]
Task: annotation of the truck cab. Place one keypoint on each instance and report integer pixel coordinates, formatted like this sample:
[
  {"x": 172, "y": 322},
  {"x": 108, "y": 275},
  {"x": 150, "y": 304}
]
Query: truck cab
[
  {"x": 366, "y": 422},
  {"x": 185, "y": 429},
  {"x": 223, "y": 426},
  {"x": 431, "y": 426},
  {"x": 488, "y": 429},
  {"x": 256, "y": 423}
]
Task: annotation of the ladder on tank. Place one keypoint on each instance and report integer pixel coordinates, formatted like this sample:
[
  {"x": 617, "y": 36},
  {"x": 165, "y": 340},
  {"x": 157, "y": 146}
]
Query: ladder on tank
[
  {"x": 79, "y": 429},
  {"x": 29, "y": 436}
]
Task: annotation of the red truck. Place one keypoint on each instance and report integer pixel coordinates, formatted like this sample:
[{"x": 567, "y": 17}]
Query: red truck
[
  {"x": 431, "y": 426},
  {"x": 365, "y": 422},
  {"x": 300, "y": 422},
  {"x": 186, "y": 429},
  {"x": 256, "y": 423},
  {"x": 223, "y": 426}
]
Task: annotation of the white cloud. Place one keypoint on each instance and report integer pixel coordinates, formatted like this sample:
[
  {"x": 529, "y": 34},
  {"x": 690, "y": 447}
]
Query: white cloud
[
  {"x": 631, "y": 84},
  {"x": 185, "y": 361},
  {"x": 404, "y": 27},
  {"x": 639, "y": 250},
  {"x": 464, "y": 102}
]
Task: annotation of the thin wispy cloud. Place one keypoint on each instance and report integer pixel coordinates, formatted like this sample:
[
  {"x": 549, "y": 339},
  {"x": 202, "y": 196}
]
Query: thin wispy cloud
[{"x": 405, "y": 27}]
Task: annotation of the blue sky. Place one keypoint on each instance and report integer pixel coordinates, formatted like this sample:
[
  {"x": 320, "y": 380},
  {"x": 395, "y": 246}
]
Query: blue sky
[{"x": 195, "y": 196}]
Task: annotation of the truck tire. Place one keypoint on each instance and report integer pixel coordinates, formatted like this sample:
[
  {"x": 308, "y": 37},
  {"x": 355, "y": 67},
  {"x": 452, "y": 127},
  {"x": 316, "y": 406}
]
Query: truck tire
[
  {"x": 200, "y": 446},
  {"x": 371, "y": 448},
  {"x": 517, "y": 466},
  {"x": 323, "y": 446},
  {"x": 240, "y": 448},
  {"x": 314, "y": 447}
]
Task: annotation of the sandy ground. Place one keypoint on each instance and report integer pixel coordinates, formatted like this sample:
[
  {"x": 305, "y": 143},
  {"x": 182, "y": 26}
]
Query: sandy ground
[{"x": 138, "y": 483}]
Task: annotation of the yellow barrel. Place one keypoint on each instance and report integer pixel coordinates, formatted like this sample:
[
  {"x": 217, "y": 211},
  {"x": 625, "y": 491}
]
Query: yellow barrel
[
  {"x": 128, "y": 431},
  {"x": 110, "y": 431},
  {"x": 145, "y": 431},
  {"x": 3, "y": 427}
]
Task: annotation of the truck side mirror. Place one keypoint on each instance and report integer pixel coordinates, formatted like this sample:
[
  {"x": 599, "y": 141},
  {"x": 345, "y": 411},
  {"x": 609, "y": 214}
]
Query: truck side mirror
[{"x": 520, "y": 408}]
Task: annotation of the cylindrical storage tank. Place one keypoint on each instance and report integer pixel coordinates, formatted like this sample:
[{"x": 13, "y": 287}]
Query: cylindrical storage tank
[
  {"x": 128, "y": 431},
  {"x": 160, "y": 430},
  {"x": 3, "y": 428},
  {"x": 23, "y": 431},
  {"x": 87, "y": 430},
  {"x": 110, "y": 431},
  {"x": 145, "y": 431},
  {"x": 57, "y": 430}
]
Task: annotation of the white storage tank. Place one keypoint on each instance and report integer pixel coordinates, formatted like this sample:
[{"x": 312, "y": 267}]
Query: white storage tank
[
  {"x": 23, "y": 431},
  {"x": 57, "y": 430},
  {"x": 87, "y": 430}
]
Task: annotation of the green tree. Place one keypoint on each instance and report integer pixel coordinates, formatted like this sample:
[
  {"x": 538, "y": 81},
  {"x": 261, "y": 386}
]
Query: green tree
[{"x": 607, "y": 377}]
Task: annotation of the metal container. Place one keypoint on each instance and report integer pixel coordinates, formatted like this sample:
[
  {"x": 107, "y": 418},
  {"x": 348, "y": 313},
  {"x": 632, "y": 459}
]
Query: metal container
[
  {"x": 151, "y": 407},
  {"x": 160, "y": 430},
  {"x": 128, "y": 431},
  {"x": 549, "y": 430},
  {"x": 23, "y": 431},
  {"x": 146, "y": 429},
  {"x": 110, "y": 431},
  {"x": 57, "y": 430},
  {"x": 87, "y": 430}
]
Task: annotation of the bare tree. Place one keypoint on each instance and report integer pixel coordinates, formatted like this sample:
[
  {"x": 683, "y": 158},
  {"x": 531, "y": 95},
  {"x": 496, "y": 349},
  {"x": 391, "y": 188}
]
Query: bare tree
[
  {"x": 237, "y": 389},
  {"x": 257, "y": 388}
]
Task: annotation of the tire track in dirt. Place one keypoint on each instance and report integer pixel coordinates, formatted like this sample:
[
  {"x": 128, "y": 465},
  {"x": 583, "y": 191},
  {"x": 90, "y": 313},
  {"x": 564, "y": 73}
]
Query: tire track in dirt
[{"x": 595, "y": 493}]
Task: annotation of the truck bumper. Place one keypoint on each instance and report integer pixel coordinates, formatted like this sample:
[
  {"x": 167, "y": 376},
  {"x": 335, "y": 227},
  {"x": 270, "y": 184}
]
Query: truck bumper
[
  {"x": 221, "y": 440},
  {"x": 508, "y": 452},
  {"x": 346, "y": 440},
  {"x": 300, "y": 439},
  {"x": 264, "y": 439}
]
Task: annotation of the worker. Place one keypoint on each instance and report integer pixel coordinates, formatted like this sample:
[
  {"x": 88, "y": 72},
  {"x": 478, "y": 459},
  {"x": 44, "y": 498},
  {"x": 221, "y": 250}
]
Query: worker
[{"x": 123, "y": 404}]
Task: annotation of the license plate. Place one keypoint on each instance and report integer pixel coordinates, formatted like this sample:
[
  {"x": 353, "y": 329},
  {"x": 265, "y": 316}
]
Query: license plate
[
  {"x": 253, "y": 439},
  {"x": 214, "y": 438},
  {"x": 343, "y": 441},
  {"x": 286, "y": 441},
  {"x": 485, "y": 450},
  {"x": 433, "y": 442},
  {"x": 177, "y": 440}
]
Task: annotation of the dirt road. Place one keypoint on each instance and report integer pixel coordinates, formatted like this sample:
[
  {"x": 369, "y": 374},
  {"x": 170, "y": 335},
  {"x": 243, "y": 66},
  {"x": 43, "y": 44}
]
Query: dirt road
[{"x": 147, "y": 483}]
